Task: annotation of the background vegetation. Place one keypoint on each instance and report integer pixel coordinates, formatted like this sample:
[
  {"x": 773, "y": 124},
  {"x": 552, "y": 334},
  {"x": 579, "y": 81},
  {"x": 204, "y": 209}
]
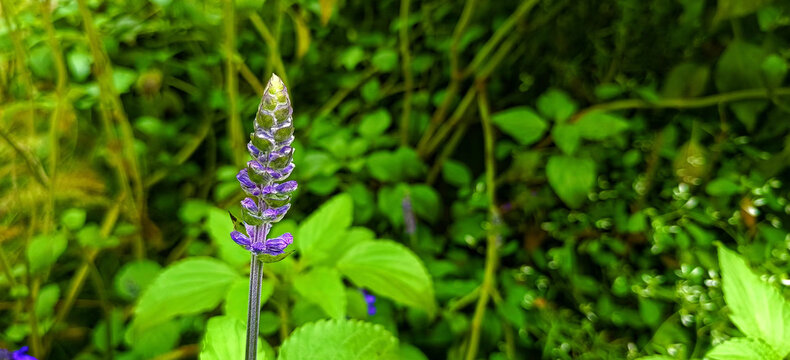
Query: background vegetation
[{"x": 553, "y": 176}]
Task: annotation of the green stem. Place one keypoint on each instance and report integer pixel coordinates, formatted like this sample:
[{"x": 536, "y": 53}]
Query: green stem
[
  {"x": 683, "y": 103},
  {"x": 447, "y": 151},
  {"x": 271, "y": 42},
  {"x": 456, "y": 117},
  {"x": 489, "y": 280},
  {"x": 231, "y": 87},
  {"x": 407, "y": 75}
]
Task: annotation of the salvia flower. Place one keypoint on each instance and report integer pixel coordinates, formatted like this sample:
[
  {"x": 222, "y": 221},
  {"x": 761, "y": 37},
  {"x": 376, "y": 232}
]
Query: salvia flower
[
  {"x": 263, "y": 180},
  {"x": 20, "y": 354},
  {"x": 370, "y": 299}
]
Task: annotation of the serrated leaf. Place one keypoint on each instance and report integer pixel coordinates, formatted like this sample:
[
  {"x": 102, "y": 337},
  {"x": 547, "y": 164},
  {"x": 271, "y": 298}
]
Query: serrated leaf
[
  {"x": 324, "y": 228},
  {"x": 226, "y": 339},
  {"x": 323, "y": 287},
  {"x": 340, "y": 340},
  {"x": 757, "y": 309},
  {"x": 390, "y": 269},
  {"x": 742, "y": 349},
  {"x": 571, "y": 178},
  {"x": 522, "y": 123},
  {"x": 189, "y": 286}
]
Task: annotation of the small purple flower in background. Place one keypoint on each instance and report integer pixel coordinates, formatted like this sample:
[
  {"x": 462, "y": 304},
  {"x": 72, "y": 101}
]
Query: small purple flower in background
[
  {"x": 408, "y": 215},
  {"x": 20, "y": 354},
  {"x": 370, "y": 299},
  {"x": 272, "y": 155}
]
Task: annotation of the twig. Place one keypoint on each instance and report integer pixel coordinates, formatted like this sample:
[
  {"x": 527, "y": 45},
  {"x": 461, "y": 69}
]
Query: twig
[
  {"x": 489, "y": 280},
  {"x": 407, "y": 75}
]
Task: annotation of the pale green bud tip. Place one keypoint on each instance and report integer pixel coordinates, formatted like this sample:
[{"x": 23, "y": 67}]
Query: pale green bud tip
[{"x": 276, "y": 87}]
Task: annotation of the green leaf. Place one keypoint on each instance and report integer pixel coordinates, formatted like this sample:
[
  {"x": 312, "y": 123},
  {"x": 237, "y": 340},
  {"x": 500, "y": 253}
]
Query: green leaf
[
  {"x": 522, "y": 123},
  {"x": 456, "y": 173},
  {"x": 340, "y": 340},
  {"x": 686, "y": 80},
  {"x": 235, "y": 304},
  {"x": 79, "y": 63},
  {"x": 567, "y": 137},
  {"x": 757, "y": 309},
  {"x": 598, "y": 125},
  {"x": 123, "y": 79},
  {"x": 571, "y": 178},
  {"x": 218, "y": 226},
  {"x": 728, "y": 9},
  {"x": 323, "y": 287},
  {"x": 722, "y": 187},
  {"x": 134, "y": 277},
  {"x": 155, "y": 340},
  {"x": 73, "y": 219},
  {"x": 323, "y": 230},
  {"x": 425, "y": 202},
  {"x": 557, "y": 105},
  {"x": 44, "y": 250},
  {"x": 742, "y": 349},
  {"x": 226, "y": 339},
  {"x": 45, "y": 302},
  {"x": 774, "y": 67},
  {"x": 375, "y": 123},
  {"x": 390, "y": 269},
  {"x": 656, "y": 357},
  {"x": 739, "y": 67},
  {"x": 385, "y": 59},
  {"x": 189, "y": 286}
]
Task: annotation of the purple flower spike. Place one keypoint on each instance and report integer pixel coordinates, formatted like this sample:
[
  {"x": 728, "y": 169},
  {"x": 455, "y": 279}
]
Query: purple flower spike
[
  {"x": 249, "y": 205},
  {"x": 20, "y": 354},
  {"x": 277, "y": 245},
  {"x": 276, "y": 214},
  {"x": 272, "y": 162},
  {"x": 370, "y": 299},
  {"x": 239, "y": 238}
]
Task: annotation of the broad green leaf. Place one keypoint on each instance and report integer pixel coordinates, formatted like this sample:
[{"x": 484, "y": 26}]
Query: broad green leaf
[
  {"x": 686, "y": 80},
  {"x": 728, "y": 9},
  {"x": 385, "y": 59},
  {"x": 425, "y": 202},
  {"x": 327, "y": 7},
  {"x": 656, "y": 357},
  {"x": 45, "y": 302},
  {"x": 324, "y": 228},
  {"x": 134, "y": 277},
  {"x": 375, "y": 123},
  {"x": 390, "y": 269},
  {"x": 44, "y": 250},
  {"x": 323, "y": 287},
  {"x": 557, "y": 105},
  {"x": 598, "y": 125},
  {"x": 226, "y": 339},
  {"x": 722, "y": 187},
  {"x": 742, "y": 349},
  {"x": 218, "y": 226},
  {"x": 571, "y": 178},
  {"x": 79, "y": 63},
  {"x": 73, "y": 219},
  {"x": 774, "y": 67},
  {"x": 411, "y": 352},
  {"x": 340, "y": 340},
  {"x": 155, "y": 340},
  {"x": 739, "y": 67},
  {"x": 456, "y": 173},
  {"x": 757, "y": 309},
  {"x": 236, "y": 301},
  {"x": 123, "y": 78},
  {"x": 567, "y": 137},
  {"x": 522, "y": 123},
  {"x": 189, "y": 286}
]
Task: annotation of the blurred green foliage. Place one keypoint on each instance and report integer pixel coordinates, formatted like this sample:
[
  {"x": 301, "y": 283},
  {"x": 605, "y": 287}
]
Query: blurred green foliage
[{"x": 551, "y": 176}]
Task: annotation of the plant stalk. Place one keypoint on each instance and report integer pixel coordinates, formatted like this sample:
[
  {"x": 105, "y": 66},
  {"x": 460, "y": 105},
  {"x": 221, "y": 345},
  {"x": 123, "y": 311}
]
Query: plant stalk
[{"x": 254, "y": 308}]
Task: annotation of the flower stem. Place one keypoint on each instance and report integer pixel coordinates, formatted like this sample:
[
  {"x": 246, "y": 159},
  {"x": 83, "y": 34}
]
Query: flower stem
[{"x": 254, "y": 311}]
